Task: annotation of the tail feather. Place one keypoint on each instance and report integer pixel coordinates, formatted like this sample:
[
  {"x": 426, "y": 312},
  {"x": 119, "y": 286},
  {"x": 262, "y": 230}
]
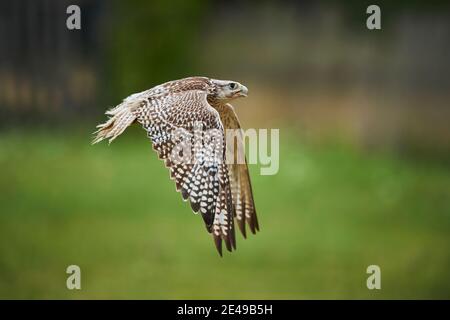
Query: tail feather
[{"x": 120, "y": 118}]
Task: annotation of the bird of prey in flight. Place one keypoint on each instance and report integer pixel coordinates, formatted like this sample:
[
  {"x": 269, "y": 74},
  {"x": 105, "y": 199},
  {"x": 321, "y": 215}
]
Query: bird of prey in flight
[{"x": 186, "y": 121}]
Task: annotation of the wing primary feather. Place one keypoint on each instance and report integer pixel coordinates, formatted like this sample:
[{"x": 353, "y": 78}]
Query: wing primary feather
[
  {"x": 244, "y": 207},
  {"x": 218, "y": 243}
]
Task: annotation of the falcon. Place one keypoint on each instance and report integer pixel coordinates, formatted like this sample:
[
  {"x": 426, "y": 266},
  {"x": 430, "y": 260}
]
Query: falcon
[{"x": 186, "y": 121}]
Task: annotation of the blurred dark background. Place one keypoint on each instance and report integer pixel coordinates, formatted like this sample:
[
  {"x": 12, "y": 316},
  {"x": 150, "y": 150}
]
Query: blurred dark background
[
  {"x": 364, "y": 149},
  {"x": 316, "y": 61}
]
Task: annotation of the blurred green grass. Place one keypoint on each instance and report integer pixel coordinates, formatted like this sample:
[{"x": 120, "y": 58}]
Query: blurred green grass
[{"x": 329, "y": 213}]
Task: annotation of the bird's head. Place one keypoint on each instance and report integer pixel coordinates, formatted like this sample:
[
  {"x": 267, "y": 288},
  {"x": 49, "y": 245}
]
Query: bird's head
[{"x": 228, "y": 90}]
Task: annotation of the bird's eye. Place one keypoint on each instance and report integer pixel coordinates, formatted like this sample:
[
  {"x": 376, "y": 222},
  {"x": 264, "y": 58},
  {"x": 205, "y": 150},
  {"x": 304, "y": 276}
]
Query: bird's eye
[{"x": 232, "y": 85}]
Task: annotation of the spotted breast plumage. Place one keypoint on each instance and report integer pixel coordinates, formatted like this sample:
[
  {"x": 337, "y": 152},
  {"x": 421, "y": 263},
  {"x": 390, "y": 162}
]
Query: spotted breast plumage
[{"x": 186, "y": 121}]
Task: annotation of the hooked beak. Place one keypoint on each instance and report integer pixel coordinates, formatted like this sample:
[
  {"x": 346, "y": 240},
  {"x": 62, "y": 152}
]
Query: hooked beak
[{"x": 243, "y": 92}]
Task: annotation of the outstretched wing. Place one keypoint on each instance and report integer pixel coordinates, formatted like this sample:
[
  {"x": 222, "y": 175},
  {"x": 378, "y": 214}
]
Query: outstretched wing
[
  {"x": 187, "y": 134},
  {"x": 242, "y": 194}
]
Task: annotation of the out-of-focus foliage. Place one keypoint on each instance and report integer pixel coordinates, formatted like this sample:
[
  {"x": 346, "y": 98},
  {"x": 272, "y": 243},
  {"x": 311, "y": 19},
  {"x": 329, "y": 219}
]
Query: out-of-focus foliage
[
  {"x": 328, "y": 214},
  {"x": 150, "y": 42}
]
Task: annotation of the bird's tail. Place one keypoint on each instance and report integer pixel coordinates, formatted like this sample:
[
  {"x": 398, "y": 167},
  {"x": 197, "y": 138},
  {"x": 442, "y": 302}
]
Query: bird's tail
[{"x": 120, "y": 118}]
